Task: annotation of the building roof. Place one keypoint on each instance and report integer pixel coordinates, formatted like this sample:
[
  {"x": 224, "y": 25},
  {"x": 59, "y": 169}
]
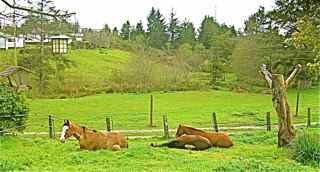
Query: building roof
[{"x": 59, "y": 37}]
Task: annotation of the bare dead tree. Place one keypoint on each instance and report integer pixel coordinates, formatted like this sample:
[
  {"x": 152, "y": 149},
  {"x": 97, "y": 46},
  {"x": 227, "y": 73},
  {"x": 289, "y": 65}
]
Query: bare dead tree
[{"x": 279, "y": 87}]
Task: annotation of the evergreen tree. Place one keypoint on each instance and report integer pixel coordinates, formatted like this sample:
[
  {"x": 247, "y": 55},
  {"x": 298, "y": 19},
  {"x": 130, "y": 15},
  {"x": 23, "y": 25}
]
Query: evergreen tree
[
  {"x": 208, "y": 30},
  {"x": 187, "y": 34},
  {"x": 125, "y": 31},
  {"x": 106, "y": 28},
  {"x": 139, "y": 28},
  {"x": 115, "y": 31},
  {"x": 156, "y": 29},
  {"x": 173, "y": 29}
]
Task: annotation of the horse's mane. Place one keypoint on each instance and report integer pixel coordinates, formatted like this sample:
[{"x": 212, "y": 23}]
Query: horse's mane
[
  {"x": 82, "y": 126},
  {"x": 191, "y": 128}
]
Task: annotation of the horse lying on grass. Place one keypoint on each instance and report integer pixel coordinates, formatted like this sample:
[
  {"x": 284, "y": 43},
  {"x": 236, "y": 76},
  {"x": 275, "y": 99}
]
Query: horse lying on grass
[
  {"x": 217, "y": 139},
  {"x": 195, "y": 139},
  {"x": 92, "y": 139}
]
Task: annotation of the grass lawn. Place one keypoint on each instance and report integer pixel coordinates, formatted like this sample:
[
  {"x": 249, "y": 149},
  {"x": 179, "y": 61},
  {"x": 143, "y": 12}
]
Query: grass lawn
[
  {"x": 130, "y": 111},
  {"x": 253, "y": 151}
]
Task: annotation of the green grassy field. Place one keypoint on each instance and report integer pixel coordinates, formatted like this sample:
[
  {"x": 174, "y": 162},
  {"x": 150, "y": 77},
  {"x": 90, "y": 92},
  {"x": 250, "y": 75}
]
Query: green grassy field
[
  {"x": 130, "y": 111},
  {"x": 93, "y": 67},
  {"x": 253, "y": 151}
]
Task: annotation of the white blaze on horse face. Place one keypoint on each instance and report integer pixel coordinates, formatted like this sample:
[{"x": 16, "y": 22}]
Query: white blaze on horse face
[{"x": 63, "y": 133}]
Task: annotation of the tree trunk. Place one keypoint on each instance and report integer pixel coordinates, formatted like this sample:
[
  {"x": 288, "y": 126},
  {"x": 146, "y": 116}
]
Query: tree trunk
[{"x": 280, "y": 102}]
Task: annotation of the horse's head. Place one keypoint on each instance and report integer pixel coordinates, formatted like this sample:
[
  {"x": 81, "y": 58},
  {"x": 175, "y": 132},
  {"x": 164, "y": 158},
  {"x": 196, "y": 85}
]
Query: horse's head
[
  {"x": 180, "y": 131},
  {"x": 67, "y": 131}
]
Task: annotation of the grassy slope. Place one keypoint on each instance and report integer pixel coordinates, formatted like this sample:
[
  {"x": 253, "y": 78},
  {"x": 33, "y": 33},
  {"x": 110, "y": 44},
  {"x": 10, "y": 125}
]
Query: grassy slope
[
  {"x": 252, "y": 151},
  {"x": 95, "y": 65},
  {"x": 130, "y": 111}
]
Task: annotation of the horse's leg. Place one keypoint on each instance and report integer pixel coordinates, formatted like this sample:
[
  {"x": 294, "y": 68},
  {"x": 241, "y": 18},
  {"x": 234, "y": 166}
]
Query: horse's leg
[{"x": 171, "y": 144}]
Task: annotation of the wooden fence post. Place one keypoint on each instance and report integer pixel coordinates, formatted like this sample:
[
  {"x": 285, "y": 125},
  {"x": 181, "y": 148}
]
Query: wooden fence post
[
  {"x": 309, "y": 118},
  {"x": 109, "y": 123},
  {"x": 214, "y": 122},
  {"x": 268, "y": 121},
  {"x": 50, "y": 127},
  {"x": 165, "y": 127},
  {"x": 298, "y": 98},
  {"x": 151, "y": 110}
]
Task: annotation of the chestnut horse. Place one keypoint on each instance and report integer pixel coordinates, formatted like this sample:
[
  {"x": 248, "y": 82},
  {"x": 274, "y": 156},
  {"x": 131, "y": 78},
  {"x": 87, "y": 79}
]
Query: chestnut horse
[
  {"x": 217, "y": 139},
  {"x": 92, "y": 139},
  {"x": 193, "y": 142}
]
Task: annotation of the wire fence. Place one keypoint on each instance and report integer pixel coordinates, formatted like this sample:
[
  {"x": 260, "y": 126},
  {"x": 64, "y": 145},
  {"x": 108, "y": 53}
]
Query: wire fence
[{"x": 46, "y": 124}]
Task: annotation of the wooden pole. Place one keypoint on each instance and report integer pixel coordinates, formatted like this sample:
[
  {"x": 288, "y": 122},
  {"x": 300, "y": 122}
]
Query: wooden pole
[
  {"x": 214, "y": 122},
  {"x": 309, "y": 118},
  {"x": 298, "y": 98},
  {"x": 165, "y": 127},
  {"x": 109, "y": 125},
  {"x": 151, "y": 110},
  {"x": 268, "y": 121},
  {"x": 50, "y": 127}
]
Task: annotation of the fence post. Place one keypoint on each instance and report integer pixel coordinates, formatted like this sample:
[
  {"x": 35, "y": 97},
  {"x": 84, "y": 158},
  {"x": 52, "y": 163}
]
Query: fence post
[
  {"x": 298, "y": 98},
  {"x": 165, "y": 127},
  {"x": 268, "y": 121},
  {"x": 50, "y": 127},
  {"x": 309, "y": 118},
  {"x": 214, "y": 122},
  {"x": 151, "y": 110},
  {"x": 109, "y": 123}
]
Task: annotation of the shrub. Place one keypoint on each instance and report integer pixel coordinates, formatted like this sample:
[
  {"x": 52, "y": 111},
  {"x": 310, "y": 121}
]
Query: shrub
[
  {"x": 307, "y": 148},
  {"x": 11, "y": 105}
]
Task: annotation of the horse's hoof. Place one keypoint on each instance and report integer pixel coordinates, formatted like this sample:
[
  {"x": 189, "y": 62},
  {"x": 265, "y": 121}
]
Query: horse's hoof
[{"x": 116, "y": 148}]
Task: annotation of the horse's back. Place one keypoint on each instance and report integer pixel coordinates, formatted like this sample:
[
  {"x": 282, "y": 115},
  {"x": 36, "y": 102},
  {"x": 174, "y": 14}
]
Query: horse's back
[
  {"x": 199, "y": 142},
  {"x": 220, "y": 139}
]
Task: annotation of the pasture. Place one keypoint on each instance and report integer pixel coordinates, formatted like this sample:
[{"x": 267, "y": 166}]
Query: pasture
[
  {"x": 131, "y": 111},
  {"x": 255, "y": 150}
]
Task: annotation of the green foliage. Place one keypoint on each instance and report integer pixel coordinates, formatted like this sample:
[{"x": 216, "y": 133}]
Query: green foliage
[
  {"x": 12, "y": 104},
  {"x": 187, "y": 34},
  {"x": 287, "y": 12},
  {"x": 173, "y": 29},
  {"x": 307, "y": 147},
  {"x": 157, "y": 36},
  {"x": 125, "y": 30},
  {"x": 208, "y": 30}
]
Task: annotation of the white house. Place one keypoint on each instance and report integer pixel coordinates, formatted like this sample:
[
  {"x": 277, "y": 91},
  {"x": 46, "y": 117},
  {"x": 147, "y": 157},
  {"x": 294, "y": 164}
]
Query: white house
[{"x": 7, "y": 41}]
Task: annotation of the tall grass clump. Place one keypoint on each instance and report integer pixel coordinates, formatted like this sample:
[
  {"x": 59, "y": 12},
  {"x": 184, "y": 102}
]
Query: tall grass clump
[{"x": 307, "y": 148}]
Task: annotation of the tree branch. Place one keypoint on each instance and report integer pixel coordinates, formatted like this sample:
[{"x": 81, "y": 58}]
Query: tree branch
[
  {"x": 35, "y": 11},
  {"x": 293, "y": 74},
  {"x": 267, "y": 75}
]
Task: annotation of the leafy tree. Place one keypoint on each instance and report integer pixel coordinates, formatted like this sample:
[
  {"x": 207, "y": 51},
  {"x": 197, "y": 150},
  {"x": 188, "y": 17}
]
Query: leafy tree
[
  {"x": 12, "y": 104},
  {"x": 173, "y": 29},
  {"x": 156, "y": 29},
  {"x": 125, "y": 31}
]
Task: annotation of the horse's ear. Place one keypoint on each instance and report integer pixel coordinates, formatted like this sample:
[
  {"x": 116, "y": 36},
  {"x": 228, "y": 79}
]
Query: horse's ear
[{"x": 66, "y": 122}]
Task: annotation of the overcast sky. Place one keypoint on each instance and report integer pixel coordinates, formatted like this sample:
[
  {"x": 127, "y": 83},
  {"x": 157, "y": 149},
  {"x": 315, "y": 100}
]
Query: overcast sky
[{"x": 96, "y": 13}]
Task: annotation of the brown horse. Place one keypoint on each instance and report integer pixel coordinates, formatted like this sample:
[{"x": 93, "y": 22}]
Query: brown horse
[
  {"x": 92, "y": 139},
  {"x": 193, "y": 142},
  {"x": 217, "y": 139}
]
